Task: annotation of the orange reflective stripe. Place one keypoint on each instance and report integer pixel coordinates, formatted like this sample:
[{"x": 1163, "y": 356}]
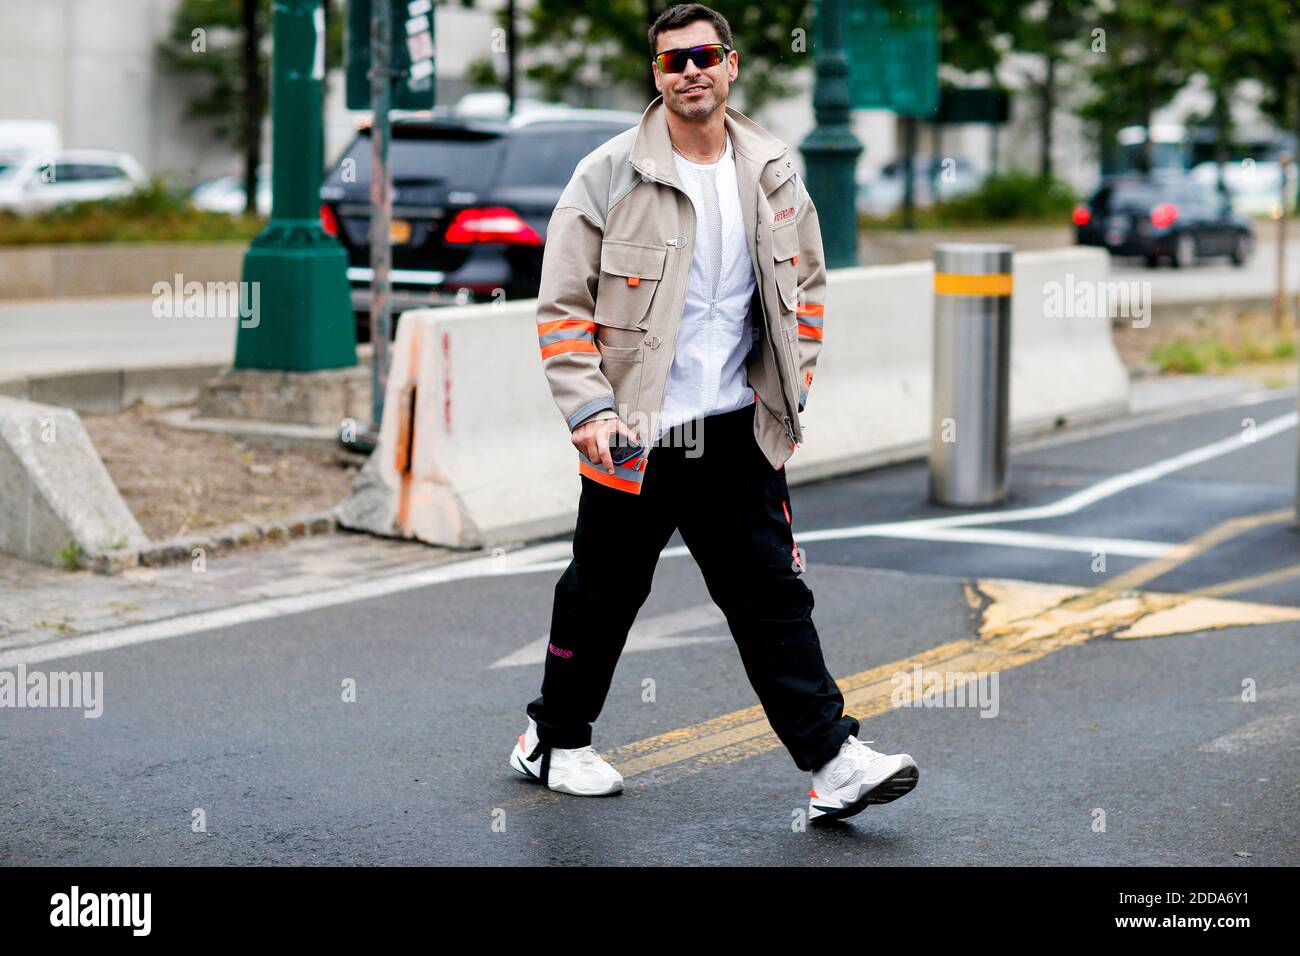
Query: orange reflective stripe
[
  {"x": 950, "y": 283},
  {"x": 568, "y": 345},
  {"x": 810, "y": 332},
  {"x": 555, "y": 325},
  {"x": 817, "y": 310},
  {"x": 613, "y": 481}
]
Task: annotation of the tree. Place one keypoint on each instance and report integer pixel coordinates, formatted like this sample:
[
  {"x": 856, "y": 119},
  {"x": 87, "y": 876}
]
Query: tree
[
  {"x": 1140, "y": 70},
  {"x": 1054, "y": 30},
  {"x": 584, "y": 46},
  {"x": 225, "y": 46}
]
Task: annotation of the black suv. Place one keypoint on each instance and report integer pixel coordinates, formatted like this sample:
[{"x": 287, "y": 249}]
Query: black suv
[{"x": 471, "y": 201}]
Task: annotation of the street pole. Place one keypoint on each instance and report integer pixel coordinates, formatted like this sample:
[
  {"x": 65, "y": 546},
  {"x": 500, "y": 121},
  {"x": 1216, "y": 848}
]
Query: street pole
[
  {"x": 1279, "y": 298},
  {"x": 831, "y": 150},
  {"x": 381, "y": 204},
  {"x": 294, "y": 271}
]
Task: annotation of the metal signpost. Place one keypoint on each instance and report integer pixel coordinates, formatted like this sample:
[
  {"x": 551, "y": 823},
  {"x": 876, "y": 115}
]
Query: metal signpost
[{"x": 395, "y": 70}]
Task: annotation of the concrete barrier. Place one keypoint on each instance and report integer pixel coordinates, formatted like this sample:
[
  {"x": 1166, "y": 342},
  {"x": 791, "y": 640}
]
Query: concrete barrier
[
  {"x": 489, "y": 456},
  {"x": 113, "y": 268},
  {"x": 57, "y": 501}
]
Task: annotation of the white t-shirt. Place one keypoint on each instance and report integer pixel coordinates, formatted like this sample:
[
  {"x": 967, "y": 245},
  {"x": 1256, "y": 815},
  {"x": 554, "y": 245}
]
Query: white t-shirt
[{"x": 708, "y": 371}]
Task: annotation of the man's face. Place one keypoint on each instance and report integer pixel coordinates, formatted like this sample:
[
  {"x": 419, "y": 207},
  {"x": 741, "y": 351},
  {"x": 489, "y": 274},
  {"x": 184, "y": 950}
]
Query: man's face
[{"x": 694, "y": 93}]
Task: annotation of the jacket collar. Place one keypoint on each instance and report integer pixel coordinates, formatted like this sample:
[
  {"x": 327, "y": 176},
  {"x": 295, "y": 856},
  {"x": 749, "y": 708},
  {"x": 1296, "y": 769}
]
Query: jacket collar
[{"x": 652, "y": 150}]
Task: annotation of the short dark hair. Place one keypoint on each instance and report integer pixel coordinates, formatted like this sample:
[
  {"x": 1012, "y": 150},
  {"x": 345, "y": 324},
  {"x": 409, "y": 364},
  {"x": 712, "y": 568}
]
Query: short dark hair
[{"x": 685, "y": 14}]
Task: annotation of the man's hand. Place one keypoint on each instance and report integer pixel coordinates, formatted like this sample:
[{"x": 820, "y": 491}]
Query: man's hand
[{"x": 592, "y": 439}]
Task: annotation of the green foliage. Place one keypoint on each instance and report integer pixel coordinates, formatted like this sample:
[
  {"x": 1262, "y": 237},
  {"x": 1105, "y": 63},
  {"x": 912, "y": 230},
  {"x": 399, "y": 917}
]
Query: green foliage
[
  {"x": 156, "y": 213},
  {"x": 218, "y": 67},
  {"x": 1012, "y": 197},
  {"x": 70, "y": 556},
  {"x": 585, "y": 46},
  {"x": 1194, "y": 356}
]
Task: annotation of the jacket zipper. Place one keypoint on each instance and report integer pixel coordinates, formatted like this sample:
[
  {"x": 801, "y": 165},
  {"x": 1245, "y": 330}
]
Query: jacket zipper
[{"x": 785, "y": 402}]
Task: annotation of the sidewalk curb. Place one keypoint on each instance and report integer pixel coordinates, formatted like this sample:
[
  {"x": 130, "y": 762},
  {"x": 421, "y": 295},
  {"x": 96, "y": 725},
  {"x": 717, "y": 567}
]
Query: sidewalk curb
[{"x": 226, "y": 539}]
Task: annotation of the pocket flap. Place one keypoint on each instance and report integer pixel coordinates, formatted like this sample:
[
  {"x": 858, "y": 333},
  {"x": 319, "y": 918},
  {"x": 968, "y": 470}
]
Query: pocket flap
[
  {"x": 632, "y": 259},
  {"x": 785, "y": 242}
]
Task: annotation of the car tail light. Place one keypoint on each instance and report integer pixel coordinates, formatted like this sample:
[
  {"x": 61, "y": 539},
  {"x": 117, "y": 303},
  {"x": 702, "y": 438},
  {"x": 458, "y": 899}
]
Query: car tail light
[
  {"x": 1164, "y": 215},
  {"x": 1082, "y": 215},
  {"x": 491, "y": 224},
  {"x": 328, "y": 221}
]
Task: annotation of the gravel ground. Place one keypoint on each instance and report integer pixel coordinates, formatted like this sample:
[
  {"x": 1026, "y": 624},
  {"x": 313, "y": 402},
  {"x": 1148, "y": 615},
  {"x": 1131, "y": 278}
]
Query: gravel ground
[{"x": 177, "y": 481}]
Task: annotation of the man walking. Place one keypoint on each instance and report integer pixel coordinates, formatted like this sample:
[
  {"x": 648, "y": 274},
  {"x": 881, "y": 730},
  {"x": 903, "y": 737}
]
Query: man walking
[{"x": 679, "y": 321}]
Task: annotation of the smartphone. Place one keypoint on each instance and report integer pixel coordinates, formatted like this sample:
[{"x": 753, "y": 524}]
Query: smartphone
[{"x": 621, "y": 453}]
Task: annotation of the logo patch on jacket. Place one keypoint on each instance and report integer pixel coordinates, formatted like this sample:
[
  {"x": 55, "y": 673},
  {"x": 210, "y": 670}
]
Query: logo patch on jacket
[{"x": 783, "y": 214}]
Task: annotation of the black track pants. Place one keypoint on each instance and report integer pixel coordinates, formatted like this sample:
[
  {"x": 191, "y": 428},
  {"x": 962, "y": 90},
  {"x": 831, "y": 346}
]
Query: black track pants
[{"x": 733, "y": 510}]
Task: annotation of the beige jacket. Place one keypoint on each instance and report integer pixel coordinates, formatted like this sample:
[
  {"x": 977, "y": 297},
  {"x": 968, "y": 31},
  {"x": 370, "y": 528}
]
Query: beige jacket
[{"x": 613, "y": 286}]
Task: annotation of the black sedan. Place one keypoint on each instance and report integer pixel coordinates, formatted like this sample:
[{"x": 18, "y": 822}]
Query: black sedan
[
  {"x": 1175, "y": 219},
  {"x": 472, "y": 198}
]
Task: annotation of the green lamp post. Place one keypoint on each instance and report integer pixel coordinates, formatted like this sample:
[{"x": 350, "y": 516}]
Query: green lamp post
[
  {"x": 831, "y": 150},
  {"x": 304, "y": 316}
]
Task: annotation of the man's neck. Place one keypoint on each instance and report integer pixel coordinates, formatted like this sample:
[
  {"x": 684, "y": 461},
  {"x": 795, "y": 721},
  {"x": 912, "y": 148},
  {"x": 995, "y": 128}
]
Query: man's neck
[{"x": 699, "y": 141}]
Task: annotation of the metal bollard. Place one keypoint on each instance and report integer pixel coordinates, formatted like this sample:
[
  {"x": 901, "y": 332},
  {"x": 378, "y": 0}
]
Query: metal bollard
[{"x": 972, "y": 378}]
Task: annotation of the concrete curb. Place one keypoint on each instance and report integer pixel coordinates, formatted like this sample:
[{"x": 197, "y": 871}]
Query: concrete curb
[
  {"x": 112, "y": 390},
  {"x": 231, "y": 537}
]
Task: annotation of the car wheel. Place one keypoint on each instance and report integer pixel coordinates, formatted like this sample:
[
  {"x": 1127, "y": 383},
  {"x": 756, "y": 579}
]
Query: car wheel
[
  {"x": 1240, "y": 250},
  {"x": 1184, "y": 251},
  {"x": 1151, "y": 261}
]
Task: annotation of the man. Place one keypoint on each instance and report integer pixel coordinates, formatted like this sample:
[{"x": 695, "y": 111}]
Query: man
[{"x": 682, "y": 297}]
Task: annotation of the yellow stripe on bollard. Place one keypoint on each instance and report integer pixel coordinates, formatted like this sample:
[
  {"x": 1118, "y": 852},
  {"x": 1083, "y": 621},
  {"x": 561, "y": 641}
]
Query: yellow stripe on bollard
[{"x": 949, "y": 283}]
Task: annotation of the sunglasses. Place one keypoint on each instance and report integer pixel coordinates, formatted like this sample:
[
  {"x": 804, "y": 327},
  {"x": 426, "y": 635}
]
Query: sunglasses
[{"x": 674, "y": 61}]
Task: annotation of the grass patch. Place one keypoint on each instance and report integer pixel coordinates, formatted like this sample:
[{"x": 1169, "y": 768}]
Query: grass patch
[
  {"x": 157, "y": 213},
  {"x": 1192, "y": 356},
  {"x": 1014, "y": 198}
]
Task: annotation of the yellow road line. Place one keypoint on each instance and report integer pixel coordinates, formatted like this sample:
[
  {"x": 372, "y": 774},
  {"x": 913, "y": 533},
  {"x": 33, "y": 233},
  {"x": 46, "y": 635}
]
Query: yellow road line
[{"x": 1250, "y": 583}]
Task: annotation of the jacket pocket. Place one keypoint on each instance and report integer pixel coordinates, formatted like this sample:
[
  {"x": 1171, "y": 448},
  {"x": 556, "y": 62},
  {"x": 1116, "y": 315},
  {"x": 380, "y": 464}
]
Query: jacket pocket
[
  {"x": 622, "y": 369},
  {"x": 785, "y": 252},
  {"x": 630, "y": 273}
]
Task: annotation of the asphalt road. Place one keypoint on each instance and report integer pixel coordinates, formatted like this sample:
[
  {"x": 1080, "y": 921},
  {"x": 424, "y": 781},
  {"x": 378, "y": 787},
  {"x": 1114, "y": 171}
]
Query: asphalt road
[
  {"x": 1215, "y": 278},
  {"x": 1116, "y": 732}
]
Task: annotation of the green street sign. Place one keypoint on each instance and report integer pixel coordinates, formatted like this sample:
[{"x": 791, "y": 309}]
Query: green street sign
[
  {"x": 411, "y": 59},
  {"x": 893, "y": 51}
]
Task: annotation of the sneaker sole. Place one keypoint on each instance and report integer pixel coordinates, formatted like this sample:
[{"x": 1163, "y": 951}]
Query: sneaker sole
[{"x": 887, "y": 791}]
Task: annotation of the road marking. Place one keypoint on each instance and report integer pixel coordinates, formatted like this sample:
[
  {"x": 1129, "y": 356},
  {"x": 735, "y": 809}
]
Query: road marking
[
  {"x": 1196, "y": 546},
  {"x": 1251, "y": 583},
  {"x": 660, "y": 632},
  {"x": 1259, "y": 733}
]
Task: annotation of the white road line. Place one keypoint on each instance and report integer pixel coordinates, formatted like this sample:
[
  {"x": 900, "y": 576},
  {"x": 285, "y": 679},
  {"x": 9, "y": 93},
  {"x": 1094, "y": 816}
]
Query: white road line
[
  {"x": 545, "y": 558},
  {"x": 184, "y": 624},
  {"x": 1123, "y": 547}
]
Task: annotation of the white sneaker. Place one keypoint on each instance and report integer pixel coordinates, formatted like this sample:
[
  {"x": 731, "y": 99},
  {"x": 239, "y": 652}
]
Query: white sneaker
[
  {"x": 581, "y": 772},
  {"x": 856, "y": 778}
]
